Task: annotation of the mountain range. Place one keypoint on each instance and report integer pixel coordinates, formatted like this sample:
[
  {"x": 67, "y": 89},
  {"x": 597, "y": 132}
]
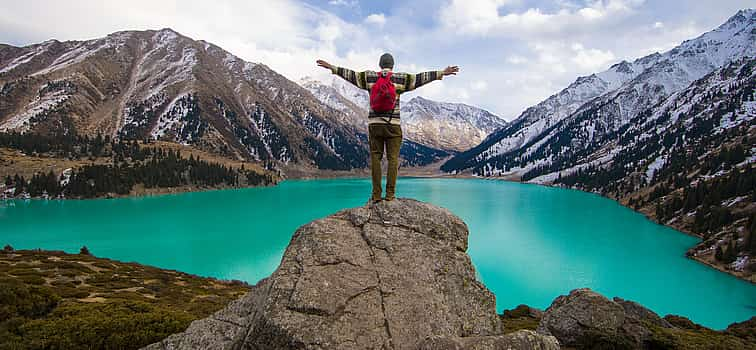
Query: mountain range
[
  {"x": 161, "y": 85},
  {"x": 670, "y": 134},
  {"x": 453, "y": 127},
  {"x": 572, "y": 126}
]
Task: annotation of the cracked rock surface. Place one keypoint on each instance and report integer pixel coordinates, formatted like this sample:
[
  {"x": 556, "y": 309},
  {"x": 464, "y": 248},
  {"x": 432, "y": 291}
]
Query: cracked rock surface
[
  {"x": 584, "y": 313},
  {"x": 391, "y": 275}
]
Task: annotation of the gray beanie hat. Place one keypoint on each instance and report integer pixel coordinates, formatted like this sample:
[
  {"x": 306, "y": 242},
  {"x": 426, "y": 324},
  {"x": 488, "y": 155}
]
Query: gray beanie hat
[{"x": 386, "y": 61}]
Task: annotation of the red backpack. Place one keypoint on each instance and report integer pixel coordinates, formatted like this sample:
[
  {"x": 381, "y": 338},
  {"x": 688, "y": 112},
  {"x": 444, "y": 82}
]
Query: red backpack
[{"x": 383, "y": 94}]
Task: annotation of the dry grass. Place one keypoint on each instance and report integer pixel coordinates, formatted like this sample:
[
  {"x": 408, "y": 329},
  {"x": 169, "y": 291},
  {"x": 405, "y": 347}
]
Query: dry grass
[
  {"x": 14, "y": 162},
  {"x": 186, "y": 151}
]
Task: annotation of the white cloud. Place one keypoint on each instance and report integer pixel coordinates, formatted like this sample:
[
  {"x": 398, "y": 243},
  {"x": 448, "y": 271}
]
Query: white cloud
[
  {"x": 329, "y": 31},
  {"x": 559, "y": 58},
  {"x": 662, "y": 39},
  {"x": 481, "y": 17},
  {"x": 590, "y": 60},
  {"x": 376, "y": 18},
  {"x": 347, "y": 3},
  {"x": 658, "y": 25},
  {"x": 516, "y": 59},
  {"x": 479, "y": 85}
]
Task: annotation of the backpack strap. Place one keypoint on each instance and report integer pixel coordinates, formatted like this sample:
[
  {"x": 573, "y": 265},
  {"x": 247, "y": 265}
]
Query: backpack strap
[{"x": 388, "y": 75}]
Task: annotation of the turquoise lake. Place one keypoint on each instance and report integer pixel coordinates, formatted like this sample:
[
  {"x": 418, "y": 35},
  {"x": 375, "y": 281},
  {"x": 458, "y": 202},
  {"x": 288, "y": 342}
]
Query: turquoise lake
[{"x": 529, "y": 243}]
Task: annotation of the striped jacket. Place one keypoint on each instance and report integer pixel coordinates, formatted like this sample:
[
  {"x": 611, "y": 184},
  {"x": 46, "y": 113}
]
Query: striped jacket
[{"x": 402, "y": 81}]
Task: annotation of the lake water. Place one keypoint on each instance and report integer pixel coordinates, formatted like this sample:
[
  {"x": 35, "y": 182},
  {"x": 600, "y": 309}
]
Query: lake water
[{"x": 529, "y": 243}]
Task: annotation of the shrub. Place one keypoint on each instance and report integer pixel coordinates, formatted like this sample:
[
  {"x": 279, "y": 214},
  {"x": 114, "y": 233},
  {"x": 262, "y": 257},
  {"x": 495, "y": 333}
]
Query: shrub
[
  {"x": 113, "y": 325},
  {"x": 84, "y": 251},
  {"x": 17, "y": 299},
  {"x": 745, "y": 330},
  {"x": 599, "y": 340},
  {"x": 519, "y": 311}
]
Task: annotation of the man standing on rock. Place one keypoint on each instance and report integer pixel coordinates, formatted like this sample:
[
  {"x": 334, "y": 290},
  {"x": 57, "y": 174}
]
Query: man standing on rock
[{"x": 384, "y": 127}]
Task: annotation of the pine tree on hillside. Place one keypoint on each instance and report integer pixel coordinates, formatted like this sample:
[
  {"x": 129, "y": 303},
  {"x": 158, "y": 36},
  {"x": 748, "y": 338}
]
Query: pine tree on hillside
[
  {"x": 751, "y": 243},
  {"x": 718, "y": 253},
  {"x": 730, "y": 254}
]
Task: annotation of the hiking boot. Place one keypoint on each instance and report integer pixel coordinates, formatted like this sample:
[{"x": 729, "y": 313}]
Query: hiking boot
[
  {"x": 389, "y": 199},
  {"x": 374, "y": 201}
]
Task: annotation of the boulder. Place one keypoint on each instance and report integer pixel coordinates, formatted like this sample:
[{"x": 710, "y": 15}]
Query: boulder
[
  {"x": 586, "y": 319},
  {"x": 391, "y": 275},
  {"x": 641, "y": 313},
  {"x": 522, "y": 339}
]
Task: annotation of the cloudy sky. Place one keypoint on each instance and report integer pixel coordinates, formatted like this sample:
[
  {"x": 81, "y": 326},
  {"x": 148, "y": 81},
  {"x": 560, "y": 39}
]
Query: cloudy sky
[{"x": 513, "y": 53}]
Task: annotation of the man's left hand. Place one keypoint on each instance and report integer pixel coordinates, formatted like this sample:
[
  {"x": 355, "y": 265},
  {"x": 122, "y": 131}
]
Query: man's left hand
[{"x": 451, "y": 70}]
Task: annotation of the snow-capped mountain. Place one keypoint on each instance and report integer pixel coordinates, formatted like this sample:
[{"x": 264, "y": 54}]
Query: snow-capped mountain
[
  {"x": 163, "y": 85},
  {"x": 452, "y": 126},
  {"x": 348, "y": 101},
  {"x": 447, "y": 126},
  {"x": 672, "y": 135},
  {"x": 688, "y": 162},
  {"x": 575, "y": 122}
]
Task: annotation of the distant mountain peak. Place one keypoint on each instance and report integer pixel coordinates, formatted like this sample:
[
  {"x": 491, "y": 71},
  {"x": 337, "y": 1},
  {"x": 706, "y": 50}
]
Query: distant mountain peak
[
  {"x": 623, "y": 67},
  {"x": 169, "y": 30},
  {"x": 742, "y": 16},
  {"x": 739, "y": 21},
  {"x": 441, "y": 125}
]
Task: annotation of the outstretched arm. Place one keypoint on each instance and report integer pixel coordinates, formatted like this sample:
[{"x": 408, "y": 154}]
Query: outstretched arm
[
  {"x": 356, "y": 78},
  {"x": 417, "y": 80}
]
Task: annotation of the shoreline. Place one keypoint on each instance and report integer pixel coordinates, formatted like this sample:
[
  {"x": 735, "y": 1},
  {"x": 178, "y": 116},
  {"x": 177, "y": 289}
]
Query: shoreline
[
  {"x": 420, "y": 173},
  {"x": 152, "y": 192}
]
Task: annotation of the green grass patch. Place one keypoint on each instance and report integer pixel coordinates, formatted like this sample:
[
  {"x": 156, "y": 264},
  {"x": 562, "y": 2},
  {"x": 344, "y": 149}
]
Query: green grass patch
[{"x": 38, "y": 316}]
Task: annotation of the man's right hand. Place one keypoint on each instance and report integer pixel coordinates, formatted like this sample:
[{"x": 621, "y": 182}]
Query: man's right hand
[{"x": 324, "y": 64}]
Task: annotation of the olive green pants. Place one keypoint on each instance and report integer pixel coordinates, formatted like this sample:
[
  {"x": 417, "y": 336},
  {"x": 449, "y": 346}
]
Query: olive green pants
[{"x": 386, "y": 136}]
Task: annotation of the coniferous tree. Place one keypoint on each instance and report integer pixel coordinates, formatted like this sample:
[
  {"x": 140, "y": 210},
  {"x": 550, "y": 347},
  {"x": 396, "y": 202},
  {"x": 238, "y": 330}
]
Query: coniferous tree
[
  {"x": 751, "y": 243},
  {"x": 730, "y": 254},
  {"x": 718, "y": 253}
]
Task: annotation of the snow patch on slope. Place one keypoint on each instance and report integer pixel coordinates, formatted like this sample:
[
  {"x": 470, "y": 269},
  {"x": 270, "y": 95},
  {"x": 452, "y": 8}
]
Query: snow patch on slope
[
  {"x": 657, "y": 164},
  {"x": 26, "y": 58},
  {"x": 43, "y": 103}
]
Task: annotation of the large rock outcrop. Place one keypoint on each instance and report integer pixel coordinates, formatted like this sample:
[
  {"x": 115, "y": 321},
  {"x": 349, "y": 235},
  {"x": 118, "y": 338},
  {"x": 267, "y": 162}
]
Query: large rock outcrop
[
  {"x": 392, "y": 275},
  {"x": 586, "y": 319}
]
